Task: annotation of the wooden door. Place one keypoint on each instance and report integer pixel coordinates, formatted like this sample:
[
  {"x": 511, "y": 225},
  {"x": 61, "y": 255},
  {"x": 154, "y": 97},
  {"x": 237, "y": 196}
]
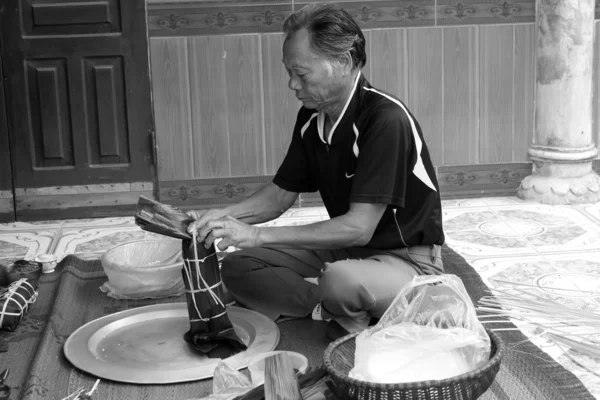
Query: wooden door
[
  {"x": 79, "y": 101},
  {"x": 6, "y": 189}
]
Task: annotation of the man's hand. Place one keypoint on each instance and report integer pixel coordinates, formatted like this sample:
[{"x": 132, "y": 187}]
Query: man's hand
[
  {"x": 231, "y": 231},
  {"x": 202, "y": 217}
]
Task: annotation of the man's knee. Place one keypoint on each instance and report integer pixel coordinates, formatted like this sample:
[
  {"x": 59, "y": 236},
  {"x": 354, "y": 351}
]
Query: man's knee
[
  {"x": 234, "y": 268},
  {"x": 341, "y": 290}
]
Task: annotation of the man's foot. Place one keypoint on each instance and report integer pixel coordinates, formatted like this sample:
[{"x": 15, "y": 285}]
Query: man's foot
[{"x": 335, "y": 331}]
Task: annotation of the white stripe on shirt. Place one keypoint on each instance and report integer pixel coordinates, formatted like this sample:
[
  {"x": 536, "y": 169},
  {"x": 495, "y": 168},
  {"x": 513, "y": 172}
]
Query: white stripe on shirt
[
  {"x": 419, "y": 169},
  {"x": 306, "y": 125}
]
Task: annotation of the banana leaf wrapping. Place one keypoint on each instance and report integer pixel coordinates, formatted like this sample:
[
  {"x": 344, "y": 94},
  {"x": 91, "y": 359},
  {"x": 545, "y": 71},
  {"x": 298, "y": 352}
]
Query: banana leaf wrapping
[
  {"x": 211, "y": 331},
  {"x": 15, "y": 301}
]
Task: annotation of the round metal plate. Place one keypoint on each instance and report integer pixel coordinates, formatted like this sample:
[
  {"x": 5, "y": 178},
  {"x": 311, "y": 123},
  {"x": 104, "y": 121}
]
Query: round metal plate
[{"x": 145, "y": 345}]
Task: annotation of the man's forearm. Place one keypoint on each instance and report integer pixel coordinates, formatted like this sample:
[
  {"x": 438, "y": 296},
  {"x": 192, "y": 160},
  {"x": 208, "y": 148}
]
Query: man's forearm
[
  {"x": 335, "y": 233},
  {"x": 266, "y": 204}
]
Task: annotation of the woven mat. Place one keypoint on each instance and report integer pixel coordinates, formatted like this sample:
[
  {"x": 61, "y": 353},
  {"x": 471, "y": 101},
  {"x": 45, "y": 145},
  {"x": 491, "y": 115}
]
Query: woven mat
[{"x": 70, "y": 298}]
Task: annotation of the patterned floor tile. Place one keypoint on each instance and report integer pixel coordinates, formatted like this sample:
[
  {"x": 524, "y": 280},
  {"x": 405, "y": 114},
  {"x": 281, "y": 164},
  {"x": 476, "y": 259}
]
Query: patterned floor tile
[
  {"x": 100, "y": 222},
  {"x": 461, "y": 219},
  {"x": 593, "y": 211},
  {"x": 28, "y": 226},
  {"x": 26, "y": 245},
  {"x": 552, "y": 229},
  {"x": 89, "y": 240},
  {"x": 292, "y": 221},
  {"x": 304, "y": 212},
  {"x": 570, "y": 279},
  {"x": 548, "y": 215},
  {"x": 547, "y": 248},
  {"x": 90, "y": 256},
  {"x": 479, "y": 232}
]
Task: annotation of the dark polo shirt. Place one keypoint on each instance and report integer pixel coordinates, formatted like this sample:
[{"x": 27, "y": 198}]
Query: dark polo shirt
[{"x": 375, "y": 153}]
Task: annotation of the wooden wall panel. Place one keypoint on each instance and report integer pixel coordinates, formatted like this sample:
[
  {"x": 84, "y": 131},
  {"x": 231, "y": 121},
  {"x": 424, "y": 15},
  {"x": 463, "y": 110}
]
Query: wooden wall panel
[
  {"x": 524, "y": 87},
  {"x": 243, "y": 68},
  {"x": 461, "y": 95},
  {"x": 388, "y": 61},
  {"x": 425, "y": 86},
  {"x": 209, "y": 106},
  {"x": 171, "y": 92},
  {"x": 281, "y": 105},
  {"x": 596, "y": 88},
  {"x": 496, "y": 96}
]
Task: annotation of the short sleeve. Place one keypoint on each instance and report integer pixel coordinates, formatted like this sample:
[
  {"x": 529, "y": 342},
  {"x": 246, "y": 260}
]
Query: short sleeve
[
  {"x": 294, "y": 174},
  {"x": 384, "y": 161}
]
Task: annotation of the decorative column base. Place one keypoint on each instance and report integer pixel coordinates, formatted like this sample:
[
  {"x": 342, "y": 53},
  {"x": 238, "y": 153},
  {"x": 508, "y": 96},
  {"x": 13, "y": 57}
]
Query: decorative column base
[{"x": 561, "y": 176}]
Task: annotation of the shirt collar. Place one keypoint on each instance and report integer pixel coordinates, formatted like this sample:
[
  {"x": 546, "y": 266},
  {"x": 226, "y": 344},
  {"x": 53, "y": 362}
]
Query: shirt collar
[{"x": 348, "y": 109}]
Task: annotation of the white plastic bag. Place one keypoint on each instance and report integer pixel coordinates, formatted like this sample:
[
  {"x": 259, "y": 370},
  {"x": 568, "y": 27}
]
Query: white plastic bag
[
  {"x": 228, "y": 383},
  {"x": 429, "y": 332}
]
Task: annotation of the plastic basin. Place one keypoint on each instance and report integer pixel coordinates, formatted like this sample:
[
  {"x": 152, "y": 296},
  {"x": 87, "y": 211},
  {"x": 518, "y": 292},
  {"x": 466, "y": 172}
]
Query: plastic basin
[{"x": 145, "y": 268}]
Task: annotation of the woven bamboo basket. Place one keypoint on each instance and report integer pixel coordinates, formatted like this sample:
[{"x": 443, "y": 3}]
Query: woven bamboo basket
[{"x": 339, "y": 360}]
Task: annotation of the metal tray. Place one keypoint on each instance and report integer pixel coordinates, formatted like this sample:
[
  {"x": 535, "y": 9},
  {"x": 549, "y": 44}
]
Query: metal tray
[{"x": 145, "y": 345}]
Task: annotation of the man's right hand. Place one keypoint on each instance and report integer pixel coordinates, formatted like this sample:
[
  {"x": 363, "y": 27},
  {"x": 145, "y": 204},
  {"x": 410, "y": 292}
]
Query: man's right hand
[{"x": 202, "y": 217}]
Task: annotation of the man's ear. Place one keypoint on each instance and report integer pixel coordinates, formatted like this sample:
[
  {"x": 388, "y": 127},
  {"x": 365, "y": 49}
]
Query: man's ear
[{"x": 346, "y": 63}]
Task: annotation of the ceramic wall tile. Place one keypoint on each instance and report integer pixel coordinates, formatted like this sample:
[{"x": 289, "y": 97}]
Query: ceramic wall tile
[
  {"x": 210, "y": 192},
  {"x": 387, "y": 14},
  {"x": 481, "y": 180},
  {"x": 463, "y": 12},
  {"x": 212, "y": 18}
]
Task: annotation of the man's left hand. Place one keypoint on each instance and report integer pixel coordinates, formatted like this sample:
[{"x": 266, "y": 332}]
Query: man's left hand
[{"x": 232, "y": 232}]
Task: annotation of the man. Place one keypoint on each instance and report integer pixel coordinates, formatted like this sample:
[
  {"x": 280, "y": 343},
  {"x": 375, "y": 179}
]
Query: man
[{"x": 364, "y": 152}]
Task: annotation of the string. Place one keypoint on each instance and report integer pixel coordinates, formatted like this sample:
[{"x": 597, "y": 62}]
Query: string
[
  {"x": 199, "y": 276},
  {"x": 7, "y": 294},
  {"x": 188, "y": 271}
]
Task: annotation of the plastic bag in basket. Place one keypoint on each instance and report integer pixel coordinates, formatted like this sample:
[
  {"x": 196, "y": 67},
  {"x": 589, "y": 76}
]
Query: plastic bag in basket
[
  {"x": 228, "y": 383},
  {"x": 429, "y": 332}
]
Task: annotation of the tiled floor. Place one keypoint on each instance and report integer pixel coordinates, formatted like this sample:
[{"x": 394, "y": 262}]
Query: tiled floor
[{"x": 504, "y": 239}]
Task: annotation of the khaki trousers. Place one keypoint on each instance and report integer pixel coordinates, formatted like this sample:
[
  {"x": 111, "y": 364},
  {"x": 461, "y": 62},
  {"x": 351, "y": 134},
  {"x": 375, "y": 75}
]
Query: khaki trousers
[{"x": 354, "y": 284}]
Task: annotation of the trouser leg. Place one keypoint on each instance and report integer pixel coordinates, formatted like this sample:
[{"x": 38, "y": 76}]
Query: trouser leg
[
  {"x": 354, "y": 290},
  {"x": 271, "y": 281}
]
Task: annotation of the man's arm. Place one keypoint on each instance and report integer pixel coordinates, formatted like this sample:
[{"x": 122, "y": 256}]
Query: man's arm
[
  {"x": 353, "y": 229},
  {"x": 266, "y": 204}
]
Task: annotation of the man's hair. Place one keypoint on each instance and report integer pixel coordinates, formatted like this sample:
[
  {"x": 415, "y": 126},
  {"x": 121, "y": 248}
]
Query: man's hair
[{"x": 333, "y": 32}]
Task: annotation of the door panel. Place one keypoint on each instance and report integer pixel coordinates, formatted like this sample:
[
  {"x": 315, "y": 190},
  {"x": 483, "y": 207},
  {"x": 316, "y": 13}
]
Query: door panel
[
  {"x": 71, "y": 17},
  {"x": 78, "y": 90},
  {"x": 7, "y": 212}
]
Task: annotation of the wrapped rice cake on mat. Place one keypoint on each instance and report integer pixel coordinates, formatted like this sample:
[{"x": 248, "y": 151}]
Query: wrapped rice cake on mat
[
  {"x": 211, "y": 332},
  {"x": 15, "y": 301}
]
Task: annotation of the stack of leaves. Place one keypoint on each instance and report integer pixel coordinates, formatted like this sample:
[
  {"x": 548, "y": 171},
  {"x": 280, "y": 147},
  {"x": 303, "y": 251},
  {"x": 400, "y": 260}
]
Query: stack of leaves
[{"x": 555, "y": 320}]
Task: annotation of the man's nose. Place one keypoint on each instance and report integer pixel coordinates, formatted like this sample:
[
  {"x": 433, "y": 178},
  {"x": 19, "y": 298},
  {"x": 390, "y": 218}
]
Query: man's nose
[{"x": 294, "y": 83}]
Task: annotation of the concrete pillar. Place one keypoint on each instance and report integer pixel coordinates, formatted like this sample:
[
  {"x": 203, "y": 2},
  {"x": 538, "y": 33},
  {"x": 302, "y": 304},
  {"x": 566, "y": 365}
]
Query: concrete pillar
[{"x": 563, "y": 148}]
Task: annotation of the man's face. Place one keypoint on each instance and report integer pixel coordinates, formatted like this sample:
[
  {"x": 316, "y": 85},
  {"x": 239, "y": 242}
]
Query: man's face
[{"x": 315, "y": 84}]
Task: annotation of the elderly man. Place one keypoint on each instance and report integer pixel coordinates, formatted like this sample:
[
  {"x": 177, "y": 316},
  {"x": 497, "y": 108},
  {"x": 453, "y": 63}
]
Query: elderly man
[{"x": 364, "y": 152}]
